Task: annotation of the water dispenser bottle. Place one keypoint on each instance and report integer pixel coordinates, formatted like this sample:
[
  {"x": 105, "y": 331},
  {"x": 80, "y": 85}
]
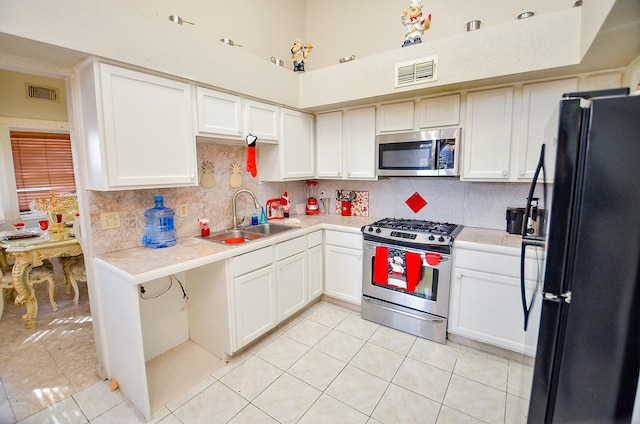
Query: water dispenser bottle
[{"x": 159, "y": 227}]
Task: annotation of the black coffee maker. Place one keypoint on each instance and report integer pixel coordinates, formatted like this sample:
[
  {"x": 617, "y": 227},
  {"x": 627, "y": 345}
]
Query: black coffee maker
[{"x": 515, "y": 220}]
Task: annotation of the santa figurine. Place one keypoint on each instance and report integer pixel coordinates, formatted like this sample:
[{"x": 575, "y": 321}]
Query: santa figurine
[{"x": 415, "y": 23}]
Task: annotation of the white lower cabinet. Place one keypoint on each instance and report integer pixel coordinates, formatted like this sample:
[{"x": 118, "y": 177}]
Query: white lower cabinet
[
  {"x": 255, "y": 295},
  {"x": 315, "y": 257},
  {"x": 343, "y": 266},
  {"x": 293, "y": 286},
  {"x": 485, "y": 302}
]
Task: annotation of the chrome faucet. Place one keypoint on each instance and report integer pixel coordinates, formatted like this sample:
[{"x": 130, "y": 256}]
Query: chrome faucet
[{"x": 235, "y": 196}]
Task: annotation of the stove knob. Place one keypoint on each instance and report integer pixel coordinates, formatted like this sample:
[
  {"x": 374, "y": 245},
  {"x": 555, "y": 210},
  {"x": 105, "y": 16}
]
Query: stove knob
[
  {"x": 378, "y": 230},
  {"x": 370, "y": 229},
  {"x": 441, "y": 239},
  {"x": 431, "y": 237}
]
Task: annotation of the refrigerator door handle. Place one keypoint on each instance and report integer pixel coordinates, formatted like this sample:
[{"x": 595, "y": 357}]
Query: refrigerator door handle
[{"x": 526, "y": 306}]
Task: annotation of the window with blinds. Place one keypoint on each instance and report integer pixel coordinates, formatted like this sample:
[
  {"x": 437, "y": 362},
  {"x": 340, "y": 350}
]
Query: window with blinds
[{"x": 42, "y": 162}]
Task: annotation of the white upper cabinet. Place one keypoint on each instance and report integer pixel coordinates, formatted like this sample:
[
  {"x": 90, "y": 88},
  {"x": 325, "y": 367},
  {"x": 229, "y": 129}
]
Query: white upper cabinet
[
  {"x": 262, "y": 120},
  {"x": 425, "y": 113},
  {"x": 359, "y": 143},
  {"x": 219, "y": 114},
  {"x": 539, "y": 124},
  {"x": 487, "y": 134},
  {"x": 136, "y": 129},
  {"x": 395, "y": 117},
  {"x": 329, "y": 144},
  {"x": 438, "y": 111},
  {"x": 294, "y": 157},
  {"x": 345, "y": 144}
]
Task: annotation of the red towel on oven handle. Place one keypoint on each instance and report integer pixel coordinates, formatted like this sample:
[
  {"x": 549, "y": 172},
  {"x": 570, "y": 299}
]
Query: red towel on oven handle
[
  {"x": 413, "y": 263},
  {"x": 381, "y": 265}
]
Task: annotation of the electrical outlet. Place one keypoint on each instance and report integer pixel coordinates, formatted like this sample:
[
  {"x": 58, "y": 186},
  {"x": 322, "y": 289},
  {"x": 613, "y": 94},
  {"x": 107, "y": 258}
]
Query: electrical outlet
[
  {"x": 183, "y": 210},
  {"x": 110, "y": 220}
]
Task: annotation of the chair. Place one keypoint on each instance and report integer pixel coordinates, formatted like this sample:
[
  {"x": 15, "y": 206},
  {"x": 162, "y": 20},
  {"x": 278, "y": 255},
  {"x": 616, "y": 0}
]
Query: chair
[
  {"x": 73, "y": 267},
  {"x": 37, "y": 275}
]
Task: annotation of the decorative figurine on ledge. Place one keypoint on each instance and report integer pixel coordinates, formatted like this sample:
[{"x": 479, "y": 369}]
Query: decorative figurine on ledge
[
  {"x": 414, "y": 22},
  {"x": 299, "y": 53}
]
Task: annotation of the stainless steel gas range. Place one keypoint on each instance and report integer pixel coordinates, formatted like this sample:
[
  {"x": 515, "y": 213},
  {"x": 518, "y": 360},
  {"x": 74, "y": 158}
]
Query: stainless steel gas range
[{"x": 406, "y": 275}]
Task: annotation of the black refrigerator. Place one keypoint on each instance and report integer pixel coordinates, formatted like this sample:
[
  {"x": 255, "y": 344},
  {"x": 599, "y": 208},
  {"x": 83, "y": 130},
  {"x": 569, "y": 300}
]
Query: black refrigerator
[{"x": 588, "y": 352}]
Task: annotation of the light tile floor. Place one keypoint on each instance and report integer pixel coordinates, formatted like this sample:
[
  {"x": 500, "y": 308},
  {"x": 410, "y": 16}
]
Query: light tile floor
[{"x": 326, "y": 366}]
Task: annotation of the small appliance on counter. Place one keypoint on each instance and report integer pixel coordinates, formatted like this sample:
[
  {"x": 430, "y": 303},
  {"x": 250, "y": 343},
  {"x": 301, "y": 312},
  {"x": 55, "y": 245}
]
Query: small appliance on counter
[
  {"x": 517, "y": 224},
  {"x": 515, "y": 217},
  {"x": 311, "y": 191}
]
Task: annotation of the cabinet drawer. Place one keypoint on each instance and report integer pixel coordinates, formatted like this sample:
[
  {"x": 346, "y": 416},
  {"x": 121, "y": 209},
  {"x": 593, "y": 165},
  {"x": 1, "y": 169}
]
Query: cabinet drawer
[
  {"x": 496, "y": 263},
  {"x": 314, "y": 239},
  {"x": 252, "y": 261},
  {"x": 338, "y": 238},
  {"x": 290, "y": 248}
]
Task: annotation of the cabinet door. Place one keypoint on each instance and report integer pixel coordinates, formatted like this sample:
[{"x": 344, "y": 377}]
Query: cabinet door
[
  {"x": 219, "y": 113},
  {"x": 263, "y": 120},
  {"x": 439, "y": 111},
  {"x": 360, "y": 143},
  {"x": 343, "y": 273},
  {"x": 297, "y": 146},
  {"x": 315, "y": 271},
  {"x": 395, "y": 117},
  {"x": 293, "y": 285},
  {"x": 329, "y": 144},
  {"x": 487, "y": 307},
  {"x": 539, "y": 125},
  {"x": 486, "y": 148},
  {"x": 137, "y": 127},
  {"x": 255, "y": 305}
]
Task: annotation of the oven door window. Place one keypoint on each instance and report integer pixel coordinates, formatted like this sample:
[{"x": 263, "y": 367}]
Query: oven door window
[
  {"x": 405, "y": 271},
  {"x": 416, "y": 155}
]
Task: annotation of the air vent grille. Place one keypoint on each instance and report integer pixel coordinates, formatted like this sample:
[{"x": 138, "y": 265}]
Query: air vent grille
[
  {"x": 416, "y": 71},
  {"x": 42, "y": 93}
]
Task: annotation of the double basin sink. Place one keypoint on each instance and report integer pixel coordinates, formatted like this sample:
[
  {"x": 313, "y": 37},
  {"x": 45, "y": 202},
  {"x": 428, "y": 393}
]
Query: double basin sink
[{"x": 245, "y": 234}]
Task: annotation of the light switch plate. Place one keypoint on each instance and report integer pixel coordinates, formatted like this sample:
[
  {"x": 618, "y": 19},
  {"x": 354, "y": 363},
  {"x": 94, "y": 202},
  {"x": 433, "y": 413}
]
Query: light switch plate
[{"x": 110, "y": 220}]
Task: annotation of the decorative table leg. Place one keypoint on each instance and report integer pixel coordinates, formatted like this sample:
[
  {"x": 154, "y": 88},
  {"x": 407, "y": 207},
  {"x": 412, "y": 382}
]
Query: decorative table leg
[{"x": 20, "y": 276}]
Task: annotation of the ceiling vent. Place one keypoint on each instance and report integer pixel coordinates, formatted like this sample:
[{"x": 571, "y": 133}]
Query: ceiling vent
[
  {"x": 416, "y": 71},
  {"x": 42, "y": 93}
]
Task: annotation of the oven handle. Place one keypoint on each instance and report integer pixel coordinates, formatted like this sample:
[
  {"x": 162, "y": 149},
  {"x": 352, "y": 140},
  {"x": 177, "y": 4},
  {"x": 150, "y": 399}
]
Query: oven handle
[
  {"x": 382, "y": 306},
  {"x": 371, "y": 248}
]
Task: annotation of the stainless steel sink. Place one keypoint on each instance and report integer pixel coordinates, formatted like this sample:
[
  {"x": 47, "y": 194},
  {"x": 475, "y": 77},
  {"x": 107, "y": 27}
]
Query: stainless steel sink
[
  {"x": 268, "y": 229},
  {"x": 234, "y": 236},
  {"x": 246, "y": 234}
]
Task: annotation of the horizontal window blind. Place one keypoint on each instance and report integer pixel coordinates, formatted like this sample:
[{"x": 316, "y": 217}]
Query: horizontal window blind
[{"x": 42, "y": 162}]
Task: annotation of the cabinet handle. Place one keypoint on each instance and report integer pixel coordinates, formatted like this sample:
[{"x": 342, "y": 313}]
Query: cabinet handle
[
  {"x": 521, "y": 172},
  {"x": 458, "y": 275},
  {"x": 348, "y": 173},
  {"x": 504, "y": 173}
]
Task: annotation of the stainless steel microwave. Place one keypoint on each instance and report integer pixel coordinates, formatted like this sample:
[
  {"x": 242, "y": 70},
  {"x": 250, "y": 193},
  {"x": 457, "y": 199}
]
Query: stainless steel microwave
[{"x": 428, "y": 153}]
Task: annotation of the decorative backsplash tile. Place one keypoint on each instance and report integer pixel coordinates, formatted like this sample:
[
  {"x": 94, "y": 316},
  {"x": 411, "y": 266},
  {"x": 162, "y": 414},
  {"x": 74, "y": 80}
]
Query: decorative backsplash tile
[{"x": 359, "y": 205}]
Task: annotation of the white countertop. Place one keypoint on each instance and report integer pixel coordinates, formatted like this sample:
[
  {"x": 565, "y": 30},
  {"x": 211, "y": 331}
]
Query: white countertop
[
  {"x": 142, "y": 264},
  {"x": 488, "y": 240}
]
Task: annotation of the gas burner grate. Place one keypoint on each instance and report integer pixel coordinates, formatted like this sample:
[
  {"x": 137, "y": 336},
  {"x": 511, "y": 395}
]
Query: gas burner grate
[{"x": 440, "y": 228}]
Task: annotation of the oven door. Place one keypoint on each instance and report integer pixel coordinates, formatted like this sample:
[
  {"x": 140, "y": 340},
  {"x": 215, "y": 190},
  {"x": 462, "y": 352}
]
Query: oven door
[{"x": 416, "y": 279}]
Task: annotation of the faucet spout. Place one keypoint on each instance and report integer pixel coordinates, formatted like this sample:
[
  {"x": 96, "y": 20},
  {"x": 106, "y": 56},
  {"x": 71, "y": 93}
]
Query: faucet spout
[{"x": 235, "y": 197}]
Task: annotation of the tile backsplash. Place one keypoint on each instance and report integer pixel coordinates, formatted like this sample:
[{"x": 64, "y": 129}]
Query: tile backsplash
[{"x": 449, "y": 200}]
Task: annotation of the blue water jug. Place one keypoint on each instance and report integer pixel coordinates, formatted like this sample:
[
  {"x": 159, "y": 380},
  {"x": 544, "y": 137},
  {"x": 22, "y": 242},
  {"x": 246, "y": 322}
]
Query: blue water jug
[{"x": 159, "y": 227}]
